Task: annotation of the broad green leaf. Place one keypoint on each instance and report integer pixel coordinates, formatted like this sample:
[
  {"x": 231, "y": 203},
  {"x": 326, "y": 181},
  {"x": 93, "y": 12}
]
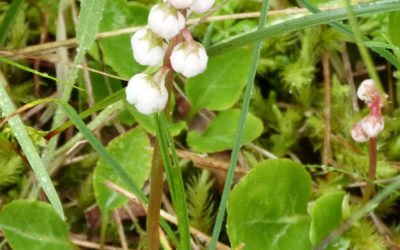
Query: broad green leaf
[
  {"x": 220, "y": 86},
  {"x": 147, "y": 121},
  {"x": 34, "y": 225},
  {"x": 132, "y": 151},
  {"x": 268, "y": 208},
  {"x": 326, "y": 214},
  {"x": 89, "y": 19},
  {"x": 394, "y": 24},
  {"x": 119, "y": 14},
  {"x": 220, "y": 134}
]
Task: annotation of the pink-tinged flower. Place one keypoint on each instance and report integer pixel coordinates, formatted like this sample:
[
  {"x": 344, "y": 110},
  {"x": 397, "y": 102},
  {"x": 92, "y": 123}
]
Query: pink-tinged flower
[
  {"x": 358, "y": 133},
  {"x": 189, "y": 58},
  {"x": 165, "y": 20},
  {"x": 201, "y": 6},
  {"x": 181, "y": 4},
  {"x": 372, "y": 125},
  {"x": 147, "y": 93},
  {"x": 148, "y": 48},
  {"x": 367, "y": 90}
]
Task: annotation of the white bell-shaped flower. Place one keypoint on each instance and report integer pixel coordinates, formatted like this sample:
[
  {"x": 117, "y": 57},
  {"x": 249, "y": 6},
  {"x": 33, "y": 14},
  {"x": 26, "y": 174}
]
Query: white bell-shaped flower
[
  {"x": 147, "y": 93},
  {"x": 358, "y": 133},
  {"x": 181, "y": 4},
  {"x": 201, "y": 6},
  {"x": 372, "y": 125},
  {"x": 148, "y": 48},
  {"x": 366, "y": 90},
  {"x": 165, "y": 20},
  {"x": 189, "y": 59}
]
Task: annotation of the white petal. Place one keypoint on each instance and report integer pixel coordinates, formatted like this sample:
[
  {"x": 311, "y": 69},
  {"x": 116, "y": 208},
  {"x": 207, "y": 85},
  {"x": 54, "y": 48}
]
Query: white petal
[
  {"x": 165, "y": 24},
  {"x": 201, "y": 6},
  {"x": 188, "y": 60},
  {"x": 365, "y": 90},
  {"x": 181, "y": 4},
  {"x": 147, "y": 96}
]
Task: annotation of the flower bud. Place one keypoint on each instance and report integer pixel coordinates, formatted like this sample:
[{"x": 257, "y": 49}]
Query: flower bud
[
  {"x": 372, "y": 125},
  {"x": 358, "y": 133},
  {"x": 189, "y": 59},
  {"x": 367, "y": 90},
  {"x": 148, "y": 48},
  {"x": 165, "y": 20},
  {"x": 181, "y": 4},
  {"x": 201, "y": 6},
  {"x": 147, "y": 93}
]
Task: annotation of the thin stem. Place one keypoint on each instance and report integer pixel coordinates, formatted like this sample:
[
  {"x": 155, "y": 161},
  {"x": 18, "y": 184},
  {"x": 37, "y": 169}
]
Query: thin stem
[
  {"x": 239, "y": 134},
  {"x": 327, "y": 107},
  {"x": 157, "y": 169},
  {"x": 156, "y": 189},
  {"x": 369, "y": 188}
]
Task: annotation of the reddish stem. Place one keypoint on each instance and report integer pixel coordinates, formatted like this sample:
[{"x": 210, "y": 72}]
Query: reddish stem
[{"x": 369, "y": 188}]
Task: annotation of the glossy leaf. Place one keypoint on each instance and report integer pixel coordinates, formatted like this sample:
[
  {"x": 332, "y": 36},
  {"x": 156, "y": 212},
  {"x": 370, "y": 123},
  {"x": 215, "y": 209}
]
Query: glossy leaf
[
  {"x": 326, "y": 214},
  {"x": 131, "y": 151},
  {"x": 268, "y": 208},
  {"x": 119, "y": 14},
  {"x": 220, "y": 86},
  {"x": 394, "y": 24},
  {"x": 220, "y": 134},
  {"x": 34, "y": 225}
]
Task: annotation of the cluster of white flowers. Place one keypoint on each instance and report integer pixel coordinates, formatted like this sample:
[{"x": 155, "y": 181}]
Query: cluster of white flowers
[
  {"x": 371, "y": 125},
  {"x": 150, "y": 47}
]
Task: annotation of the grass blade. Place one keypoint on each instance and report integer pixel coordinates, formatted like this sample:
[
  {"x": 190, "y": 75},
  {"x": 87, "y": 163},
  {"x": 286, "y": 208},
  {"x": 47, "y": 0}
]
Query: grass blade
[
  {"x": 12, "y": 12},
  {"x": 240, "y": 131},
  {"x": 109, "y": 100},
  {"x": 346, "y": 30},
  {"x": 302, "y": 23},
  {"x": 30, "y": 151},
  {"x": 174, "y": 177}
]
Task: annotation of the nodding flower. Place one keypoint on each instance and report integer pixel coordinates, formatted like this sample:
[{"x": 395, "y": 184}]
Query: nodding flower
[
  {"x": 371, "y": 125},
  {"x": 165, "y": 20},
  {"x": 147, "y": 93},
  {"x": 148, "y": 48}
]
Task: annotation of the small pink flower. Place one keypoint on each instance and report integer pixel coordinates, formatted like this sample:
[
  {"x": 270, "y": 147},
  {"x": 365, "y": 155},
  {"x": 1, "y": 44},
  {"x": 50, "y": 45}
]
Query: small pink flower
[
  {"x": 372, "y": 125},
  {"x": 367, "y": 90},
  {"x": 358, "y": 133}
]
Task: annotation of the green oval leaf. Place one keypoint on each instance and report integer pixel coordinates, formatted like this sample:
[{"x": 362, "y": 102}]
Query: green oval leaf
[
  {"x": 268, "y": 208},
  {"x": 394, "y": 24},
  {"x": 221, "y": 133},
  {"x": 220, "y": 86},
  {"x": 326, "y": 214},
  {"x": 131, "y": 151},
  {"x": 34, "y": 225}
]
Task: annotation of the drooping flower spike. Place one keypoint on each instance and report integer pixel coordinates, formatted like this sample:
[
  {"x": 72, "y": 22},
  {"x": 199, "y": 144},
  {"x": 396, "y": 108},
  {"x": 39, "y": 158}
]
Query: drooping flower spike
[
  {"x": 165, "y": 21},
  {"x": 371, "y": 125}
]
